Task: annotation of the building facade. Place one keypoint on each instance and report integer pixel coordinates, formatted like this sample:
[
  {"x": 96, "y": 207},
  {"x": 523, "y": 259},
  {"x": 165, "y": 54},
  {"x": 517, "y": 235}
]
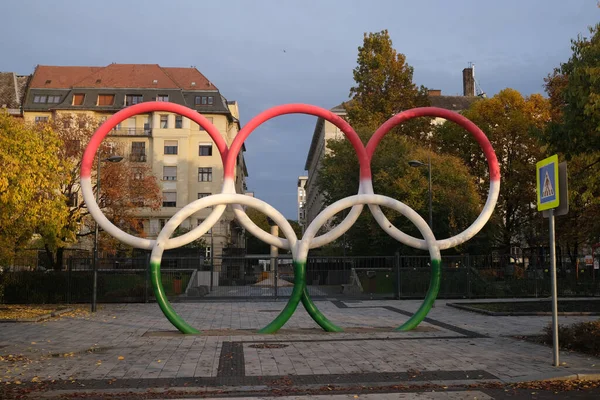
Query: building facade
[
  {"x": 325, "y": 130},
  {"x": 302, "y": 201},
  {"x": 181, "y": 154}
]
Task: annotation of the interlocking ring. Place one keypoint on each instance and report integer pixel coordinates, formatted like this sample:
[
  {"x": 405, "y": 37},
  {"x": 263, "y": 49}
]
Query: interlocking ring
[{"x": 301, "y": 247}]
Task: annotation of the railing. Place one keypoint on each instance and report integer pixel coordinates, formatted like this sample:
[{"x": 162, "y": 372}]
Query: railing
[
  {"x": 24, "y": 280},
  {"x": 131, "y": 132}
]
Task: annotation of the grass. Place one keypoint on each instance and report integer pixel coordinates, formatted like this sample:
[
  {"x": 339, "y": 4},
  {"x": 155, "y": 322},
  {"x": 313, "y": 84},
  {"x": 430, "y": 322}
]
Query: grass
[{"x": 591, "y": 306}]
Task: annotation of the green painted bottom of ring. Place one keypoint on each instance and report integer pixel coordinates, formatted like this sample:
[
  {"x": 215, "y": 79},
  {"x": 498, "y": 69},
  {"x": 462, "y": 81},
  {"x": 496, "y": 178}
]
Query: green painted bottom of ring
[
  {"x": 434, "y": 288},
  {"x": 299, "y": 293}
]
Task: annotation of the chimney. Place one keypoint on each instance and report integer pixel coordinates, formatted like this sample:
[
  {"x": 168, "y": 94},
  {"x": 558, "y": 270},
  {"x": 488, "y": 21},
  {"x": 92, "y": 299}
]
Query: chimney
[
  {"x": 435, "y": 92},
  {"x": 468, "y": 82}
]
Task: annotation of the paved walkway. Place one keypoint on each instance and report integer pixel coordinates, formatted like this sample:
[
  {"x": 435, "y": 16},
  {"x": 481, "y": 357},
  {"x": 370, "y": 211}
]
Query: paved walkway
[{"x": 132, "y": 345}]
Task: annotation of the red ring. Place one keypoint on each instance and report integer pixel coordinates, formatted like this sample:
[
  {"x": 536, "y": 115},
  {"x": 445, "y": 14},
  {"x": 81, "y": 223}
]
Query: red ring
[
  {"x": 365, "y": 167},
  {"x": 480, "y": 137},
  {"x": 102, "y": 131}
]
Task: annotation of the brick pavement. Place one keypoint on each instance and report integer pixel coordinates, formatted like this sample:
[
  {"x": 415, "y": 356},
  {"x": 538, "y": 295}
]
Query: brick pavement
[{"x": 454, "y": 345}]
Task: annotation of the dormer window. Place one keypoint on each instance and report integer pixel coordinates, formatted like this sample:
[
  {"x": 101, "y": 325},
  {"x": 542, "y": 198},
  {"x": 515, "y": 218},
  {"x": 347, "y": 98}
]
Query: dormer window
[
  {"x": 162, "y": 97},
  {"x": 78, "y": 99},
  {"x": 204, "y": 100},
  {"x": 132, "y": 99},
  {"x": 106, "y": 99}
]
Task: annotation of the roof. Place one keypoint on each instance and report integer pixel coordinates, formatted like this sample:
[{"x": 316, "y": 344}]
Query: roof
[
  {"x": 452, "y": 103},
  {"x": 51, "y": 77},
  {"x": 120, "y": 76},
  {"x": 12, "y": 90}
]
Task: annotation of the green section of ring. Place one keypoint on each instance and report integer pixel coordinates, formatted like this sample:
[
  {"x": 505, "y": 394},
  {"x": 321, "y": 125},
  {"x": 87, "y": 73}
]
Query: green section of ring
[
  {"x": 292, "y": 304},
  {"x": 315, "y": 314},
  {"x": 434, "y": 288},
  {"x": 163, "y": 302}
]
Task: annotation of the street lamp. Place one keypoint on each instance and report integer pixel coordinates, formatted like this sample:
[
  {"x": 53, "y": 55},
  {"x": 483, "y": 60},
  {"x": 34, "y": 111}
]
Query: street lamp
[
  {"x": 417, "y": 164},
  {"x": 112, "y": 159}
]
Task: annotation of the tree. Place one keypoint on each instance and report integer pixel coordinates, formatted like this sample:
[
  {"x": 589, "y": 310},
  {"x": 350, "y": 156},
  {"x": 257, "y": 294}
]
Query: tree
[
  {"x": 574, "y": 90},
  {"x": 256, "y": 246},
  {"x": 453, "y": 210},
  {"x": 384, "y": 86},
  {"x": 511, "y": 123},
  {"x": 29, "y": 183},
  {"x": 132, "y": 187}
]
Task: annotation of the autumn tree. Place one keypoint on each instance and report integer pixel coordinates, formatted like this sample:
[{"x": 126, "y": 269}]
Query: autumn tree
[
  {"x": 511, "y": 123},
  {"x": 574, "y": 133},
  {"x": 126, "y": 189},
  {"x": 453, "y": 210},
  {"x": 384, "y": 86},
  {"x": 30, "y": 176},
  {"x": 574, "y": 90}
]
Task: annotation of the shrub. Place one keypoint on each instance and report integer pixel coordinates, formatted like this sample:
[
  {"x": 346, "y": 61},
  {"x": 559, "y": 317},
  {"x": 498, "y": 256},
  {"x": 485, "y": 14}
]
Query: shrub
[{"x": 582, "y": 336}]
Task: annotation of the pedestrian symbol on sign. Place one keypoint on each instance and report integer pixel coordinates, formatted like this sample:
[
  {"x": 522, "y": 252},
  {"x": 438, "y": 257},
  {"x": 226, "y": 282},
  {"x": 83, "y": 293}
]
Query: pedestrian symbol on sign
[{"x": 548, "y": 190}]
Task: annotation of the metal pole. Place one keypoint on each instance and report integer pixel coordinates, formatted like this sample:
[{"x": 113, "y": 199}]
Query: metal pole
[
  {"x": 554, "y": 290},
  {"x": 95, "y": 255},
  {"x": 212, "y": 258},
  {"x": 430, "y": 195},
  {"x": 274, "y": 254}
]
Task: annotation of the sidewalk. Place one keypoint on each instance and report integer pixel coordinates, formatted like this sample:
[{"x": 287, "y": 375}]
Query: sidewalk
[{"x": 126, "y": 346}]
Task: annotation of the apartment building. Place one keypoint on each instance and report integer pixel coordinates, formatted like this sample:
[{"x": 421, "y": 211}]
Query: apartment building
[
  {"x": 302, "y": 201},
  {"x": 325, "y": 130},
  {"x": 182, "y": 155}
]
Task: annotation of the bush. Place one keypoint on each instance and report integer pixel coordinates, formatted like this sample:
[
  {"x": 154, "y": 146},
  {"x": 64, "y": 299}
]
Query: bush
[{"x": 583, "y": 337}]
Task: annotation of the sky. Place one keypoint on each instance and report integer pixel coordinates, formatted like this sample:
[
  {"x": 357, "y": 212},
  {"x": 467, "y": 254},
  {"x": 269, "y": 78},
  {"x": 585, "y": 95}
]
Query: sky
[{"x": 264, "y": 53}]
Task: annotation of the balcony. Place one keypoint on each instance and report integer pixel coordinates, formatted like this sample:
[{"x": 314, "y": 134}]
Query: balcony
[
  {"x": 131, "y": 132},
  {"x": 137, "y": 157}
]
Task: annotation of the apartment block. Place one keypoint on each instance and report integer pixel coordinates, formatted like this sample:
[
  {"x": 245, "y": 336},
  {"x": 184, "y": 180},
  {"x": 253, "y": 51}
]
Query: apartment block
[{"x": 182, "y": 155}]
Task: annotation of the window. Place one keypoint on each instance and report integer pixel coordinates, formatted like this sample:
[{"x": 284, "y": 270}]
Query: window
[
  {"x": 204, "y": 100},
  {"x": 210, "y": 119},
  {"x": 170, "y": 146},
  {"x": 78, "y": 99},
  {"x": 162, "y": 222},
  {"x": 106, "y": 99},
  {"x": 132, "y": 99},
  {"x": 41, "y": 120},
  {"x": 53, "y": 99},
  {"x": 203, "y": 195},
  {"x": 36, "y": 99},
  {"x": 164, "y": 121},
  {"x": 205, "y": 174},
  {"x": 169, "y": 200},
  {"x": 178, "y": 122},
  {"x": 169, "y": 173},
  {"x": 138, "y": 151},
  {"x": 73, "y": 200},
  {"x": 162, "y": 97},
  {"x": 205, "y": 149}
]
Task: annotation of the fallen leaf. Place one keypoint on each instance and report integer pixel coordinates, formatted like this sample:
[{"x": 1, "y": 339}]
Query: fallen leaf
[{"x": 121, "y": 358}]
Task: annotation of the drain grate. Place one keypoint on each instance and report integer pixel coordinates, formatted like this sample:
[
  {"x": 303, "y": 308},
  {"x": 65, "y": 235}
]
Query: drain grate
[{"x": 269, "y": 346}]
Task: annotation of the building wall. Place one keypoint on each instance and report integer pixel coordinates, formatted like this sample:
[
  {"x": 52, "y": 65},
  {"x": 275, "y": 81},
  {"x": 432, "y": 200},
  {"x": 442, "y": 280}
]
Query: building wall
[{"x": 187, "y": 160}]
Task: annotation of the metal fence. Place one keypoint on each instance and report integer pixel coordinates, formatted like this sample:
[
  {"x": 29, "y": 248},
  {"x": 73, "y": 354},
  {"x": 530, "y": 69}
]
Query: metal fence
[{"x": 128, "y": 279}]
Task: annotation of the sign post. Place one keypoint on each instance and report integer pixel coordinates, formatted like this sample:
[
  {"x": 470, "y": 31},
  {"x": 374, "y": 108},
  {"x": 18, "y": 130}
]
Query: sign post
[{"x": 548, "y": 199}]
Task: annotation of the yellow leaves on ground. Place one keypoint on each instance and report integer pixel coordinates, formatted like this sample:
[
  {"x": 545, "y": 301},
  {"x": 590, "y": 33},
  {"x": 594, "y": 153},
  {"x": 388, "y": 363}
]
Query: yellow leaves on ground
[
  {"x": 121, "y": 358},
  {"x": 18, "y": 311}
]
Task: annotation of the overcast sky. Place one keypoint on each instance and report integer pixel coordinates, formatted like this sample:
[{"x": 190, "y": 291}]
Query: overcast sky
[{"x": 265, "y": 53}]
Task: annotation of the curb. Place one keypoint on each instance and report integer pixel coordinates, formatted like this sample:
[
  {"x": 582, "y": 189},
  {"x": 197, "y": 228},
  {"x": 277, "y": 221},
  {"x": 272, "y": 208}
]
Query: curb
[
  {"x": 43, "y": 317},
  {"x": 560, "y": 376},
  {"x": 464, "y": 306}
]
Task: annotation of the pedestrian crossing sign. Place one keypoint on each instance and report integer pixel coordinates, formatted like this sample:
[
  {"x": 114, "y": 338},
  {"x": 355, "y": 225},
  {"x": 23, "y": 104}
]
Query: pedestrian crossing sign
[{"x": 547, "y": 183}]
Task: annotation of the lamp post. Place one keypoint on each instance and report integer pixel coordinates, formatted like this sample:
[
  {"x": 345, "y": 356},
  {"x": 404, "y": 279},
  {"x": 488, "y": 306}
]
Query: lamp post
[
  {"x": 113, "y": 159},
  {"x": 417, "y": 164}
]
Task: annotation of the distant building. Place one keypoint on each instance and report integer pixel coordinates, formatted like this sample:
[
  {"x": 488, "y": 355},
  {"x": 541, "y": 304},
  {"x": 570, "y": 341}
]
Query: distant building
[
  {"x": 325, "y": 130},
  {"x": 12, "y": 92},
  {"x": 302, "y": 201},
  {"x": 182, "y": 155}
]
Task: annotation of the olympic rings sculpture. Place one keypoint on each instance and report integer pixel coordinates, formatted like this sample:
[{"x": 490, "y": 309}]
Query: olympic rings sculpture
[{"x": 310, "y": 240}]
